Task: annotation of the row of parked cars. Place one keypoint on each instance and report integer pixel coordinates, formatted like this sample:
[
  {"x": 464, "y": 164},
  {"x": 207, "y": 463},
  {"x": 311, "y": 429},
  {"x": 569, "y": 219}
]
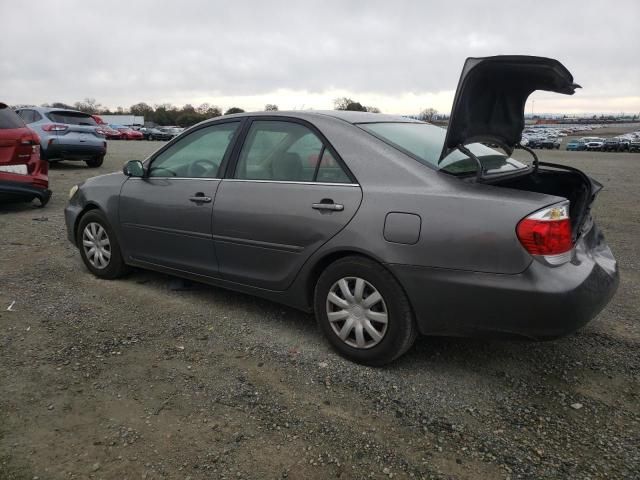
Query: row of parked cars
[
  {"x": 623, "y": 143},
  {"x": 32, "y": 137}
]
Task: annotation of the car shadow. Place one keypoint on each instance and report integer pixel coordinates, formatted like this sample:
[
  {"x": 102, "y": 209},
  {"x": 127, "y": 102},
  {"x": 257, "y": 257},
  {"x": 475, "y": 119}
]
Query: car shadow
[
  {"x": 69, "y": 165},
  {"x": 490, "y": 357},
  {"x": 19, "y": 207}
]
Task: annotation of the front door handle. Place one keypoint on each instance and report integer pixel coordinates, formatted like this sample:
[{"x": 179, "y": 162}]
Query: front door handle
[
  {"x": 334, "y": 207},
  {"x": 200, "y": 198}
]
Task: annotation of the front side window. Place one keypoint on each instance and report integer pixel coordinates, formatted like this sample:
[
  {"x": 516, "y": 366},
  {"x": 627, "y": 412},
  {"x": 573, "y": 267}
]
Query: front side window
[
  {"x": 198, "y": 155},
  {"x": 285, "y": 151},
  {"x": 424, "y": 142}
]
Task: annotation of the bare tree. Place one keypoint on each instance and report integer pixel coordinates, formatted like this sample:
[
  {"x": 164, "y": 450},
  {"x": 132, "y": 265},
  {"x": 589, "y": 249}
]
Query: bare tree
[{"x": 428, "y": 114}]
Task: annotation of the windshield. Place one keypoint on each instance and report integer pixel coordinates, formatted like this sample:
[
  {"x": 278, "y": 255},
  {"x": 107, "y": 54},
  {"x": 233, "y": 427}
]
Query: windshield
[{"x": 424, "y": 143}]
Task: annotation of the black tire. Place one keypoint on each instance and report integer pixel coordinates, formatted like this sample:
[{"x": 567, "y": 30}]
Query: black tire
[
  {"x": 116, "y": 267},
  {"x": 401, "y": 329},
  {"x": 95, "y": 162}
]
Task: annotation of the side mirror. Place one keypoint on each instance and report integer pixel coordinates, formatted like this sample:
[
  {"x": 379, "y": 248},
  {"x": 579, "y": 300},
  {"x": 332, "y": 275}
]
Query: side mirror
[{"x": 133, "y": 168}]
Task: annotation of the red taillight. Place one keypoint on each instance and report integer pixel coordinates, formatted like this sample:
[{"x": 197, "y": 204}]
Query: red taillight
[
  {"x": 547, "y": 232},
  {"x": 54, "y": 127}
]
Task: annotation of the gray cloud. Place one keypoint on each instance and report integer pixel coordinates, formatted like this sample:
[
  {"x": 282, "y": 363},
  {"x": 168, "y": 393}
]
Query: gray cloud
[{"x": 121, "y": 52}]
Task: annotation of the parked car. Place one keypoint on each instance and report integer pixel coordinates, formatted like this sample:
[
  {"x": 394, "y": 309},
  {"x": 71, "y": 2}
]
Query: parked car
[
  {"x": 153, "y": 133},
  {"x": 625, "y": 142},
  {"x": 128, "y": 133},
  {"x": 612, "y": 145},
  {"x": 109, "y": 133},
  {"x": 66, "y": 134},
  {"x": 593, "y": 143},
  {"x": 634, "y": 145},
  {"x": 23, "y": 174},
  {"x": 576, "y": 145},
  {"x": 551, "y": 143},
  {"x": 384, "y": 226}
]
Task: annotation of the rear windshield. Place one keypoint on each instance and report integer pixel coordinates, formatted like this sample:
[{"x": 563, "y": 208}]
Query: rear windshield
[
  {"x": 71, "y": 118},
  {"x": 424, "y": 143},
  {"x": 9, "y": 118}
]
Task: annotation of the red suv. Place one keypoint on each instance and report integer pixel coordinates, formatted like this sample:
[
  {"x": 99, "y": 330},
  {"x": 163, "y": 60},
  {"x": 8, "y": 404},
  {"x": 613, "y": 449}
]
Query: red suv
[{"x": 23, "y": 175}]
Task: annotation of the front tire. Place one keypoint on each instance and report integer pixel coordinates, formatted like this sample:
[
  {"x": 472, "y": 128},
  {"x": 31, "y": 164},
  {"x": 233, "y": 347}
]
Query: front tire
[
  {"x": 99, "y": 247},
  {"x": 95, "y": 162},
  {"x": 363, "y": 311}
]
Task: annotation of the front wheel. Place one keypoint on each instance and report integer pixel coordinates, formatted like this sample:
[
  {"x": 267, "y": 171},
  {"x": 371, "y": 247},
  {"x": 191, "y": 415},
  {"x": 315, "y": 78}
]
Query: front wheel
[
  {"x": 99, "y": 247},
  {"x": 95, "y": 162},
  {"x": 363, "y": 311}
]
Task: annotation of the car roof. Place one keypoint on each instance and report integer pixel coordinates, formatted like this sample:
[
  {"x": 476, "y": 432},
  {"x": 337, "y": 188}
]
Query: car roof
[
  {"x": 53, "y": 109},
  {"x": 344, "y": 115}
]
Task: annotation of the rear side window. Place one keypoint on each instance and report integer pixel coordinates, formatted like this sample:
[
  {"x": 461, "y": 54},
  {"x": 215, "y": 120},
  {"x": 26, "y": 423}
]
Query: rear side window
[
  {"x": 9, "y": 118},
  {"x": 286, "y": 151},
  {"x": 29, "y": 116},
  {"x": 71, "y": 118}
]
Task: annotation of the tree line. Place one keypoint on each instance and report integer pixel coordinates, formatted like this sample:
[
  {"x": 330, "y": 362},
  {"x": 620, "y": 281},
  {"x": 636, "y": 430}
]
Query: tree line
[{"x": 187, "y": 115}]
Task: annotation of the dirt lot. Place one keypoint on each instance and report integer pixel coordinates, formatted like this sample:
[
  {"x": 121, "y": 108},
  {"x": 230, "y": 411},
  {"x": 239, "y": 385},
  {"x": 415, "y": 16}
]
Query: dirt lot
[{"x": 135, "y": 379}]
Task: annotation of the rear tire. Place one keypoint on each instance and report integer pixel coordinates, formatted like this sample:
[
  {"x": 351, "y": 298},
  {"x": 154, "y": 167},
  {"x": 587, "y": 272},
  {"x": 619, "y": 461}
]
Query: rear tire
[
  {"x": 93, "y": 229},
  {"x": 390, "y": 319},
  {"x": 95, "y": 162}
]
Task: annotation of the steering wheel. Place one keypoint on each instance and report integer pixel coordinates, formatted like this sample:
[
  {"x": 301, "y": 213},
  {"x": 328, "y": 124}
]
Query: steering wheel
[{"x": 200, "y": 168}]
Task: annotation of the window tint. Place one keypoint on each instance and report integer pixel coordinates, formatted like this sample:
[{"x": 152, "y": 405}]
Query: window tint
[
  {"x": 198, "y": 155},
  {"x": 330, "y": 171},
  {"x": 276, "y": 150},
  {"x": 424, "y": 142},
  {"x": 27, "y": 115},
  {"x": 71, "y": 118},
  {"x": 9, "y": 118}
]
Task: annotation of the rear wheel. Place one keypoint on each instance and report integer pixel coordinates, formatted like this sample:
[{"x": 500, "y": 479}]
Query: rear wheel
[
  {"x": 99, "y": 247},
  {"x": 363, "y": 311},
  {"x": 95, "y": 162}
]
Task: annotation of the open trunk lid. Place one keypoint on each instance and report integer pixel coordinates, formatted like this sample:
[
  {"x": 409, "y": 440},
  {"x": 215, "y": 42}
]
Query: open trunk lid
[{"x": 491, "y": 96}]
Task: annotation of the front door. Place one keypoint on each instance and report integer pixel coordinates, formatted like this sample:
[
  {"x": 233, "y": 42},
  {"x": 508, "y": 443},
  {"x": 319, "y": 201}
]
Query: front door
[
  {"x": 288, "y": 195},
  {"x": 165, "y": 217}
]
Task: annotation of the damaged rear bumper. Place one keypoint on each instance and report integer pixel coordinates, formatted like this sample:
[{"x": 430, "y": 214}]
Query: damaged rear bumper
[{"x": 541, "y": 302}]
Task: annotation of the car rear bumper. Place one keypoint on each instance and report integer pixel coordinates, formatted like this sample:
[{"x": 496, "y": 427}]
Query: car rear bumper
[
  {"x": 59, "y": 151},
  {"x": 23, "y": 192},
  {"x": 541, "y": 302}
]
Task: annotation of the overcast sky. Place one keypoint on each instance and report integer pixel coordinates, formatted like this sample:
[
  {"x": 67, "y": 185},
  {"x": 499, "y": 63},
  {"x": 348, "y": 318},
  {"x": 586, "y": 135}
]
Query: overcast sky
[{"x": 400, "y": 56}]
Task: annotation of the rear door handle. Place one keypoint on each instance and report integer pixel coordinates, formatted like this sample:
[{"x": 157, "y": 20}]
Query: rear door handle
[
  {"x": 334, "y": 207},
  {"x": 200, "y": 198}
]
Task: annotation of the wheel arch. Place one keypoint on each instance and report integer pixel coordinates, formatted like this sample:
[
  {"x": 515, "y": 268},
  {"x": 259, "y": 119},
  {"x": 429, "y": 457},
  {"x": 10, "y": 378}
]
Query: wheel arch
[
  {"x": 322, "y": 262},
  {"x": 87, "y": 208}
]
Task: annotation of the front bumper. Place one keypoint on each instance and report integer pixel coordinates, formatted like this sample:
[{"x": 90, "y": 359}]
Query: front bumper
[
  {"x": 541, "y": 302},
  {"x": 71, "y": 213},
  {"x": 19, "y": 191}
]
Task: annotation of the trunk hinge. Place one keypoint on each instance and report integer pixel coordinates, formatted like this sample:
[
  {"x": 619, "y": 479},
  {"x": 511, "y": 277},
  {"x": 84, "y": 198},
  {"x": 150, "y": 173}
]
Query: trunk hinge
[
  {"x": 536, "y": 162},
  {"x": 469, "y": 154}
]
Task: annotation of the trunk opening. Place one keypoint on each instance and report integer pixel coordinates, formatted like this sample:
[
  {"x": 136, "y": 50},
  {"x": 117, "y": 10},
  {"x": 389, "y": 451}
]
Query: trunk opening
[{"x": 561, "y": 181}]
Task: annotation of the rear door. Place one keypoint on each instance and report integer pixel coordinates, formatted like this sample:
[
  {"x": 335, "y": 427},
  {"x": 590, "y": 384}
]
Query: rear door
[
  {"x": 165, "y": 217},
  {"x": 286, "y": 195}
]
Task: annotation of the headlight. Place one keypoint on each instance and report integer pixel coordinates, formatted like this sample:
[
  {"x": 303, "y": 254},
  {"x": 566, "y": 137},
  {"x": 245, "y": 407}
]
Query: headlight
[{"x": 73, "y": 191}]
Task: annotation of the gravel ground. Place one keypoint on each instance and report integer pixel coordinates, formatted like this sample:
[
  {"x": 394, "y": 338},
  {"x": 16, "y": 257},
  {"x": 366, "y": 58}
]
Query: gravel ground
[{"x": 138, "y": 378}]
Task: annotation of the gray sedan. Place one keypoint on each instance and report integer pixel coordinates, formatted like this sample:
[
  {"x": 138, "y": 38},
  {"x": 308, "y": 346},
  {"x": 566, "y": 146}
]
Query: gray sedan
[{"x": 384, "y": 226}]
